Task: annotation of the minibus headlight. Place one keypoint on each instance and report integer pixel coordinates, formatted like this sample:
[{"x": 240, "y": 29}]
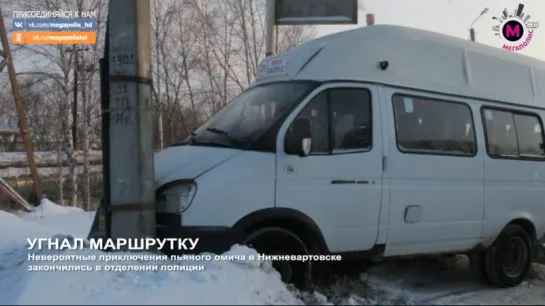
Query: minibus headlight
[{"x": 176, "y": 198}]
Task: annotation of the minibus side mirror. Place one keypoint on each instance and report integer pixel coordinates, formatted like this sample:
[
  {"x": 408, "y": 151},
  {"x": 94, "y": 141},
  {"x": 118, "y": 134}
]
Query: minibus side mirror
[{"x": 298, "y": 141}]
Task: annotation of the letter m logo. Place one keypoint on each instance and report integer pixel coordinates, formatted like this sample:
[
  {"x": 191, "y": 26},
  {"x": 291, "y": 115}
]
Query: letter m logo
[{"x": 512, "y": 31}]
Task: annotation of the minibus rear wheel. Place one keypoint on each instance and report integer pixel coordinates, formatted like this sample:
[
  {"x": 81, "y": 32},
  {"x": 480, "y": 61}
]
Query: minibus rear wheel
[
  {"x": 509, "y": 259},
  {"x": 280, "y": 241}
]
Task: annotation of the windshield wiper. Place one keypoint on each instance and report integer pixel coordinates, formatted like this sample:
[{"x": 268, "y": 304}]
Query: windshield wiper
[
  {"x": 189, "y": 140},
  {"x": 192, "y": 136},
  {"x": 217, "y": 131},
  {"x": 225, "y": 133}
]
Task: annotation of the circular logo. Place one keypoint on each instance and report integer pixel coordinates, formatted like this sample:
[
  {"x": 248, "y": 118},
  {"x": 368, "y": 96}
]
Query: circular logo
[{"x": 513, "y": 30}]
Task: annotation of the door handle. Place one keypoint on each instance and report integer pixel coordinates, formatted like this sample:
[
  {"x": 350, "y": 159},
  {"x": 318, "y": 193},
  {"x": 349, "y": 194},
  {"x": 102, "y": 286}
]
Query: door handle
[{"x": 341, "y": 182}]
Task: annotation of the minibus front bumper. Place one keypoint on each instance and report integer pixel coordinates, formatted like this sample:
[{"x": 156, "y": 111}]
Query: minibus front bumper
[{"x": 212, "y": 239}]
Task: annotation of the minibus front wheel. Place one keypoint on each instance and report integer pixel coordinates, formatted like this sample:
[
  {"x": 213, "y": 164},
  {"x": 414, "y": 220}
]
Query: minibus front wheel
[{"x": 282, "y": 242}]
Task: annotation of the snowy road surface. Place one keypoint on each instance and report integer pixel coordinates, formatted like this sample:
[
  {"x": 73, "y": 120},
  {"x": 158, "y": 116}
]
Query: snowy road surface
[{"x": 425, "y": 281}]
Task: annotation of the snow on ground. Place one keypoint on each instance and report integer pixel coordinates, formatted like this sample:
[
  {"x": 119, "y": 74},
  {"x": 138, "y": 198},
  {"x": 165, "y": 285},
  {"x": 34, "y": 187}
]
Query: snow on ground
[
  {"x": 448, "y": 280},
  {"x": 426, "y": 281},
  {"x": 44, "y": 171},
  {"x": 221, "y": 283},
  {"x": 44, "y": 157},
  {"x": 13, "y": 164},
  {"x": 66, "y": 219},
  {"x": 48, "y": 209},
  {"x": 422, "y": 281}
]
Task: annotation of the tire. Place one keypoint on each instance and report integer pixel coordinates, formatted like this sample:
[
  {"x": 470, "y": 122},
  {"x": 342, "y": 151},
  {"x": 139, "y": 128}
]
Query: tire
[
  {"x": 507, "y": 262},
  {"x": 279, "y": 241}
]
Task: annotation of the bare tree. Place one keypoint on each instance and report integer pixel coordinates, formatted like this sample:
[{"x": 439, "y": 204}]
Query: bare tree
[
  {"x": 159, "y": 32},
  {"x": 205, "y": 53},
  {"x": 90, "y": 98},
  {"x": 233, "y": 44},
  {"x": 56, "y": 66}
]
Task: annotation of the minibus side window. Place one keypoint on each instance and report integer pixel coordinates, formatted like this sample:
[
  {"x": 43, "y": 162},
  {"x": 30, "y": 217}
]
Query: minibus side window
[
  {"x": 530, "y": 135},
  {"x": 501, "y": 134},
  {"x": 430, "y": 126},
  {"x": 513, "y": 135}
]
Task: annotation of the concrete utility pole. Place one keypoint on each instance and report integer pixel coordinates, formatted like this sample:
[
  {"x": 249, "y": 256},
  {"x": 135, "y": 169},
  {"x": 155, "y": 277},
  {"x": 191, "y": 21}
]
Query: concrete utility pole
[{"x": 132, "y": 177}]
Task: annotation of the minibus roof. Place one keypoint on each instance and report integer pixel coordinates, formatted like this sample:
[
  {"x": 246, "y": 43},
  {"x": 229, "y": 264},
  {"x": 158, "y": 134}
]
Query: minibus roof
[{"x": 416, "y": 59}]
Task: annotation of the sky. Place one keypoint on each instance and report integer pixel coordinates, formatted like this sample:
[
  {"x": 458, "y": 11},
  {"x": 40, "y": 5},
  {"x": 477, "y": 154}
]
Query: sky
[{"x": 451, "y": 17}]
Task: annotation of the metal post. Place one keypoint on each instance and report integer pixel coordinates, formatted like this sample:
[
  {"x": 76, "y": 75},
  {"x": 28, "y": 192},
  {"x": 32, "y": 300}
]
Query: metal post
[
  {"x": 75, "y": 106},
  {"x": 85, "y": 137},
  {"x": 101, "y": 223},
  {"x": 471, "y": 29},
  {"x": 23, "y": 124},
  {"x": 105, "y": 105},
  {"x": 132, "y": 177},
  {"x": 269, "y": 27}
]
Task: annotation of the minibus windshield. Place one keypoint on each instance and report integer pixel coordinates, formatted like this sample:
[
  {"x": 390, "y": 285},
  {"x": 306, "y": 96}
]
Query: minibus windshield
[{"x": 241, "y": 122}]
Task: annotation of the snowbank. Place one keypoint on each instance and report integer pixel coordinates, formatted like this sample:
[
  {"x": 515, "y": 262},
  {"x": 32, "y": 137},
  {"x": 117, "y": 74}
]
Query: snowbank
[
  {"x": 65, "y": 219},
  {"x": 250, "y": 283},
  {"x": 48, "y": 208},
  {"x": 13, "y": 234}
]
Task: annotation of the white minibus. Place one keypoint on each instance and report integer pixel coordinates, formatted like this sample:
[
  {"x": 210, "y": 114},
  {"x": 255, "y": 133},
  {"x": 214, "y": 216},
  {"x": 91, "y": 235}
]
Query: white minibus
[{"x": 378, "y": 142}]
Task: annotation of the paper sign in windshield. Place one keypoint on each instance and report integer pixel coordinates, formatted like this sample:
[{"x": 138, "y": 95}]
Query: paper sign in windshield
[{"x": 270, "y": 67}]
